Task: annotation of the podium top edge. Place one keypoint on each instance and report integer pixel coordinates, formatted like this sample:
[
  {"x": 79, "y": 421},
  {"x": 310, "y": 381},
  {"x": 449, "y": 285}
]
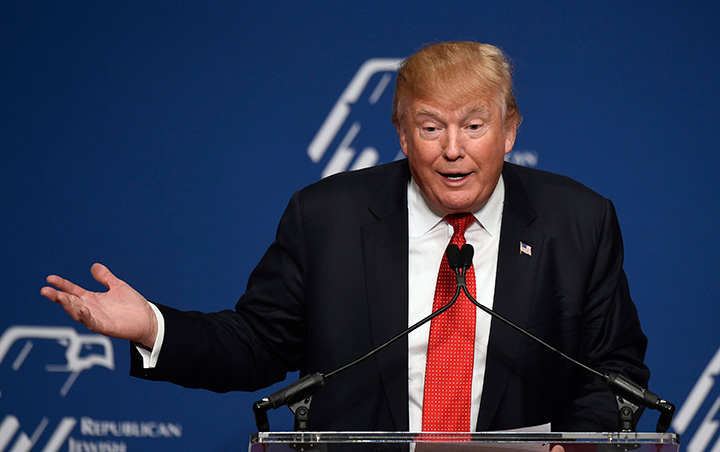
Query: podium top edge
[{"x": 496, "y": 437}]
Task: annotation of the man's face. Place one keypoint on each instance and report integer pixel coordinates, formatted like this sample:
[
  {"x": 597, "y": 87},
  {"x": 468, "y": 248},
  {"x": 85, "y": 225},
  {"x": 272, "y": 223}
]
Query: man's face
[{"x": 455, "y": 152}]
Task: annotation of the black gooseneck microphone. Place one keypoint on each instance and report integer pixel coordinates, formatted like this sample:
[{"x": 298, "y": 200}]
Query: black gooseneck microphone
[
  {"x": 298, "y": 396},
  {"x": 629, "y": 396}
]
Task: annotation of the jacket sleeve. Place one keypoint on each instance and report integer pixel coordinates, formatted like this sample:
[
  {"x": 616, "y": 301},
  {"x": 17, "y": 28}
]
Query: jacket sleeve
[{"x": 611, "y": 338}]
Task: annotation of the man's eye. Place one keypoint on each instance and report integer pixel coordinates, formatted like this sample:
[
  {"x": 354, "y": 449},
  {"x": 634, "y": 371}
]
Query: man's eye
[
  {"x": 430, "y": 129},
  {"x": 474, "y": 126}
]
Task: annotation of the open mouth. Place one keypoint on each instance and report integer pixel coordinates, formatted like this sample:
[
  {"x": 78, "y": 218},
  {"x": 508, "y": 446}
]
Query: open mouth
[{"x": 454, "y": 176}]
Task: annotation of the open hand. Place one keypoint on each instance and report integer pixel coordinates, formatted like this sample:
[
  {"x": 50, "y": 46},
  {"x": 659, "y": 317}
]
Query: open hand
[{"x": 121, "y": 312}]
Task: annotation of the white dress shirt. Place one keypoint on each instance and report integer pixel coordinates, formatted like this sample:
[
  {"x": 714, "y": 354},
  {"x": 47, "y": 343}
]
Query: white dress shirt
[{"x": 428, "y": 237}]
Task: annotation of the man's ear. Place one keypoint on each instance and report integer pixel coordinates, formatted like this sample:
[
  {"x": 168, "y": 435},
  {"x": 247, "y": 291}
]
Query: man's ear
[
  {"x": 402, "y": 136},
  {"x": 510, "y": 134}
]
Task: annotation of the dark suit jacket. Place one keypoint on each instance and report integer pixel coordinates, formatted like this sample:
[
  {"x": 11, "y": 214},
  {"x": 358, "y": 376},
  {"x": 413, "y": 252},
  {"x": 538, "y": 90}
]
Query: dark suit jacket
[{"x": 333, "y": 286}]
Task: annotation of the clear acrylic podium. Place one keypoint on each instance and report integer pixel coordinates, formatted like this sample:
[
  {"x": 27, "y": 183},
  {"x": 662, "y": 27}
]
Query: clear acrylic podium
[{"x": 462, "y": 442}]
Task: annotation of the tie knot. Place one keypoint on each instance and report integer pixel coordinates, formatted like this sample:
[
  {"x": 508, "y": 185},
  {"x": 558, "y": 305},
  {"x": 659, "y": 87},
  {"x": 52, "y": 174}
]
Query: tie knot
[{"x": 460, "y": 222}]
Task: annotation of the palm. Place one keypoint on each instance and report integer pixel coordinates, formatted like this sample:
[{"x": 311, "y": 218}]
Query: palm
[{"x": 120, "y": 312}]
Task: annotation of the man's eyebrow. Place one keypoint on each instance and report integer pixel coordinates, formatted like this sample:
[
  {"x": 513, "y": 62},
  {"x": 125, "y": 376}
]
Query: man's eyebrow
[
  {"x": 467, "y": 110},
  {"x": 477, "y": 108},
  {"x": 425, "y": 111}
]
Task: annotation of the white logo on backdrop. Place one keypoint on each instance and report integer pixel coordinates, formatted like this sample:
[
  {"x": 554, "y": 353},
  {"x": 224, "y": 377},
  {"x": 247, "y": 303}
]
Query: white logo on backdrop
[
  {"x": 95, "y": 434},
  {"x": 523, "y": 158},
  {"x": 75, "y": 344},
  {"x": 345, "y": 155},
  {"x": 24, "y": 443},
  {"x": 702, "y": 405}
]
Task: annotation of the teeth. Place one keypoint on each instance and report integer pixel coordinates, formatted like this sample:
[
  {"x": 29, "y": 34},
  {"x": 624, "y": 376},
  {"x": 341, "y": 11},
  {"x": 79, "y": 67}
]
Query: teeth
[{"x": 455, "y": 176}]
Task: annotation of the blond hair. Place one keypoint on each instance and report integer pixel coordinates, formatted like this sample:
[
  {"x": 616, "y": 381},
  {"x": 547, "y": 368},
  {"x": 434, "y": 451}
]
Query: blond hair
[{"x": 454, "y": 71}]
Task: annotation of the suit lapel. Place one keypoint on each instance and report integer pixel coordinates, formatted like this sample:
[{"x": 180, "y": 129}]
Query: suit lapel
[
  {"x": 385, "y": 259},
  {"x": 514, "y": 293}
]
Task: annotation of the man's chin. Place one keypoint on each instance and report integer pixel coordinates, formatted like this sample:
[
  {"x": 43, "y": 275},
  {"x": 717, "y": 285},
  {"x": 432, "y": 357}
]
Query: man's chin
[{"x": 449, "y": 208}]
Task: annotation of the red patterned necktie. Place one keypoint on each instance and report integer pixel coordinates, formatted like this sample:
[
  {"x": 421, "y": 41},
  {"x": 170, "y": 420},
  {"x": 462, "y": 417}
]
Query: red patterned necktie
[{"x": 451, "y": 349}]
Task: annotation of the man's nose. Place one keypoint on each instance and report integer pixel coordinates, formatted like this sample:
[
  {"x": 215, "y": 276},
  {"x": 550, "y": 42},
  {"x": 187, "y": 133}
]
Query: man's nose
[{"x": 453, "y": 145}]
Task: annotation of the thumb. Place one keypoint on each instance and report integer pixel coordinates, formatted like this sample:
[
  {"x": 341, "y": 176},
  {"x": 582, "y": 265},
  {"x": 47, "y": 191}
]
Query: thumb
[{"x": 103, "y": 275}]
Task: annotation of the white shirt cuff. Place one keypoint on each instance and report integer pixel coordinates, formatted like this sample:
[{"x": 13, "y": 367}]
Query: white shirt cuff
[{"x": 150, "y": 357}]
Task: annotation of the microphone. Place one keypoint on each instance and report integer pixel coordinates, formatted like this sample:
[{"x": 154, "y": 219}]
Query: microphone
[
  {"x": 466, "y": 256},
  {"x": 452, "y": 252},
  {"x": 629, "y": 395},
  {"x": 298, "y": 395}
]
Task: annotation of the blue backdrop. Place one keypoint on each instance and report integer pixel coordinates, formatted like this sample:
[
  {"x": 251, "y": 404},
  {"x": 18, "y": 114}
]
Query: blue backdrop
[{"x": 165, "y": 138}]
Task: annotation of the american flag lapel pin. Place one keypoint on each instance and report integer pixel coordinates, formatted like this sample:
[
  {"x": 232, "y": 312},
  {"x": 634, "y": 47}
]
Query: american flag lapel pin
[{"x": 525, "y": 248}]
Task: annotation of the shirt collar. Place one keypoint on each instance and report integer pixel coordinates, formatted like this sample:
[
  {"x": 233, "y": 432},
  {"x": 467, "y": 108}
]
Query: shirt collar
[{"x": 421, "y": 218}]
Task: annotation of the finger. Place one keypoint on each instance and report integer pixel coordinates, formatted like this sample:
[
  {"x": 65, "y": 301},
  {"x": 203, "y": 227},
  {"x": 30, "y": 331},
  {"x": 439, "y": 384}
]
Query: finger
[
  {"x": 66, "y": 286},
  {"x": 78, "y": 310},
  {"x": 49, "y": 293},
  {"x": 104, "y": 276},
  {"x": 85, "y": 317},
  {"x": 58, "y": 297},
  {"x": 74, "y": 306},
  {"x": 69, "y": 303}
]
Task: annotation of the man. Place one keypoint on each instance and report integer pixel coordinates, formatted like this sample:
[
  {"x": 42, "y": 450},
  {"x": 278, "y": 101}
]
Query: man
[{"x": 357, "y": 258}]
